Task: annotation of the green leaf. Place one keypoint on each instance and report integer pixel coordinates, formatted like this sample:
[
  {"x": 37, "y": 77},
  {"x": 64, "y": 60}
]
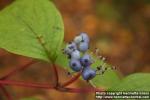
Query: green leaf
[
  {"x": 32, "y": 28},
  {"x": 134, "y": 82},
  {"x": 106, "y": 80},
  {"x": 62, "y": 59}
]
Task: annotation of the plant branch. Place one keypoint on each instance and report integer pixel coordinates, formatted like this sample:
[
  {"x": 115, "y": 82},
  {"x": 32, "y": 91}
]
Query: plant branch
[
  {"x": 26, "y": 84},
  {"x": 9, "y": 97},
  {"x": 56, "y": 74},
  {"x": 83, "y": 90},
  {"x": 72, "y": 80},
  {"x": 13, "y": 72}
]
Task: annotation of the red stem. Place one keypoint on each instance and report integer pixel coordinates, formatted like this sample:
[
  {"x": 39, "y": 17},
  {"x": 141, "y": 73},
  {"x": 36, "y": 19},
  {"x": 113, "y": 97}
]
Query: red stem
[
  {"x": 9, "y": 97},
  {"x": 56, "y": 74},
  {"x": 25, "y": 84},
  {"x": 13, "y": 72},
  {"x": 46, "y": 86},
  {"x": 83, "y": 90},
  {"x": 72, "y": 80}
]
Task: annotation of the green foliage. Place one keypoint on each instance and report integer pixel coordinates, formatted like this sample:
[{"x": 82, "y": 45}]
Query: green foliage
[
  {"x": 134, "y": 82},
  {"x": 31, "y": 28},
  {"x": 107, "y": 80},
  {"x": 62, "y": 60}
]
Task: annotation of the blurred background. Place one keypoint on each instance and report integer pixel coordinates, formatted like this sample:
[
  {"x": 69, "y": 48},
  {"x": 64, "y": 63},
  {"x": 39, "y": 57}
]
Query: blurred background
[{"x": 119, "y": 28}]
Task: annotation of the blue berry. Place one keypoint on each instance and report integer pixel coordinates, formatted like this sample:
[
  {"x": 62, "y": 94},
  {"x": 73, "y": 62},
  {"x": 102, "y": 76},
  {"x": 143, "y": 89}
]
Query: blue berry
[
  {"x": 83, "y": 46},
  {"x": 85, "y": 37},
  {"x": 86, "y": 60},
  {"x": 75, "y": 54},
  {"x": 78, "y": 39},
  {"x": 88, "y": 73},
  {"x": 75, "y": 65},
  {"x": 70, "y": 48}
]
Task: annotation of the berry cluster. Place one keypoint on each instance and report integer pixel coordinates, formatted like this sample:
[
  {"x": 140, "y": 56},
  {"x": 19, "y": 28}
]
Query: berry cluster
[{"x": 80, "y": 60}]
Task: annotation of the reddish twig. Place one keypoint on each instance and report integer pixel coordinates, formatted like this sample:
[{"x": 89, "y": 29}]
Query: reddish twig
[
  {"x": 18, "y": 69},
  {"x": 72, "y": 80},
  {"x": 56, "y": 74},
  {"x": 58, "y": 87},
  {"x": 26, "y": 84},
  {"x": 9, "y": 97},
  {"x": 47, "y": 86},
  {"x": 83, "y": 90}
]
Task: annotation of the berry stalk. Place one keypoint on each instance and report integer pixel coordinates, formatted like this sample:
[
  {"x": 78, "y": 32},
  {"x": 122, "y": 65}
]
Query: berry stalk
[{"x": 72, "y": 80}]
